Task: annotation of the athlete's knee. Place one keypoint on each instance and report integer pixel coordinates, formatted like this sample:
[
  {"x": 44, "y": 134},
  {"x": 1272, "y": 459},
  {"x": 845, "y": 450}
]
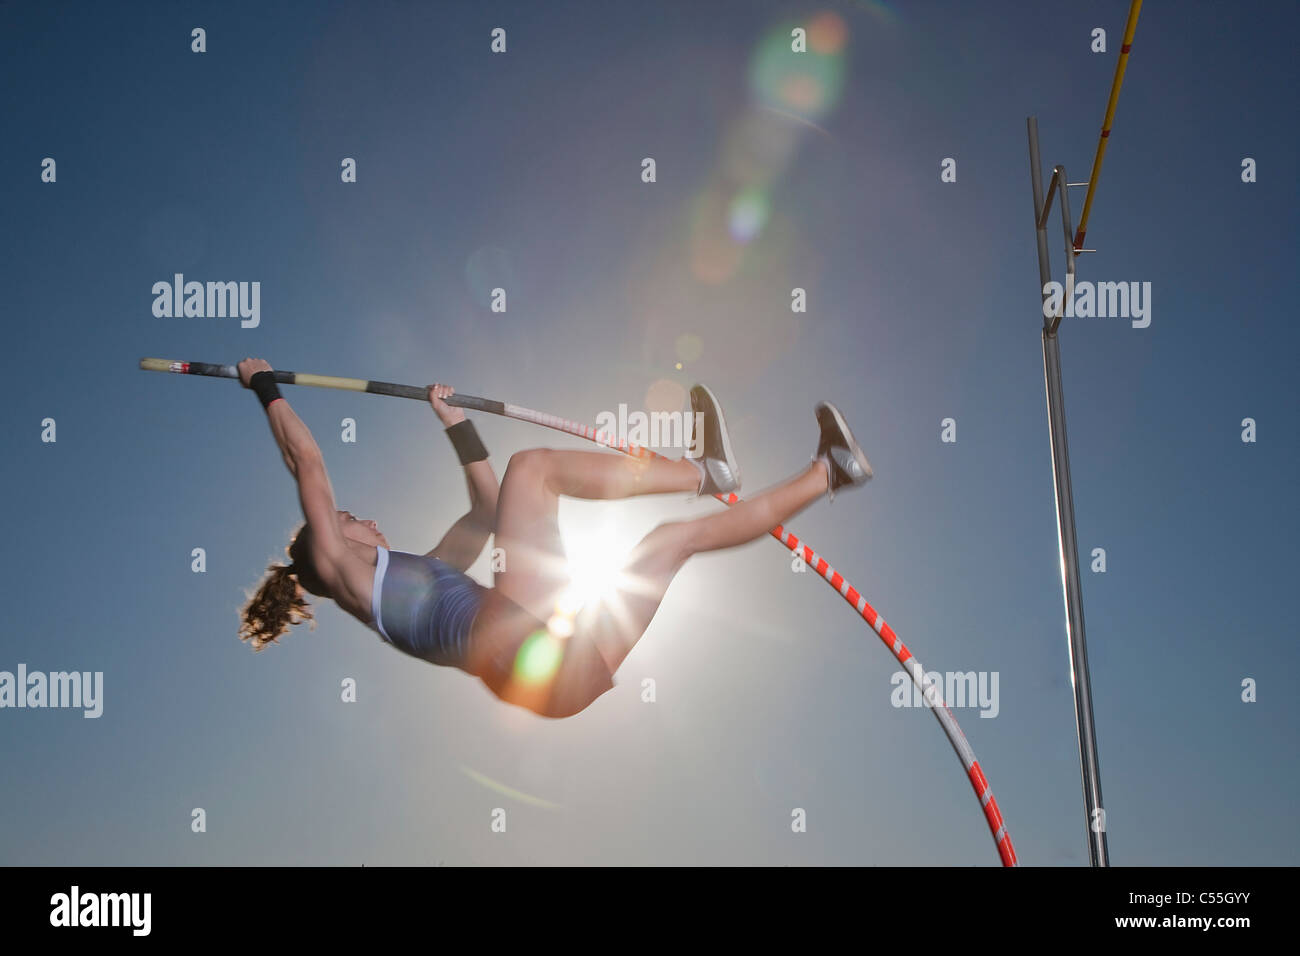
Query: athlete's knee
[
  {"x": 531, "y": 462},
  {"x": 668, "y": 545}
]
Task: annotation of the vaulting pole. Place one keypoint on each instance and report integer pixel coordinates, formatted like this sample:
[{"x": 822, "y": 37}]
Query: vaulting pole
[{"x": 930, "y": 692}]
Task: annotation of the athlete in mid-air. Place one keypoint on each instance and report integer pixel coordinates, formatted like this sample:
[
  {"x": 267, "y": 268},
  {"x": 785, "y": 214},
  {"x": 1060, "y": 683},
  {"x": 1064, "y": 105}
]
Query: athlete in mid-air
[{"x": 425, "y": 604}]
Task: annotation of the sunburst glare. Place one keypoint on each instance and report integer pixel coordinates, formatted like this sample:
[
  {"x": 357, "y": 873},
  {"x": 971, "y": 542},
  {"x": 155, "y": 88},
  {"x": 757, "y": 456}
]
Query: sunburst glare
[{"x": 596, "y": 560}]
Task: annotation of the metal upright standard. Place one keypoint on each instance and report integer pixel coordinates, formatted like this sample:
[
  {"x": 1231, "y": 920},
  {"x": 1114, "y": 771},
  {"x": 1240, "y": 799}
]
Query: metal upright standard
[{"x": 1095, "y": 818}]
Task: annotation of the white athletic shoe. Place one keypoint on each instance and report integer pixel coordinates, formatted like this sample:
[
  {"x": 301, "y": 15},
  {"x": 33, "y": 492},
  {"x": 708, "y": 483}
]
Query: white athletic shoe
[
  {"x": 719, "y": 473},
  {"x": 846, "y": 465}
]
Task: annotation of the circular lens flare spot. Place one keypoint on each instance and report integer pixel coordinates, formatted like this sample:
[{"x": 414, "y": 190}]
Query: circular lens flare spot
[
  {"x": 539, "y": 658},
  {"x": 801, "y": 92},
  {"x": 560, "y": 625},
  {"x": 749, "y": 213},
  {"x": 664, "y": 395},
  {"x": 805, "y": 84},
  {"x": 827, "y": 33}
]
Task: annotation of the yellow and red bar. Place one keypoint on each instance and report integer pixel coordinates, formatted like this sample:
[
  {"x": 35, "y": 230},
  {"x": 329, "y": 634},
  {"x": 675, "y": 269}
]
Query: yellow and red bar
[{"x": 1135, "y": 7}]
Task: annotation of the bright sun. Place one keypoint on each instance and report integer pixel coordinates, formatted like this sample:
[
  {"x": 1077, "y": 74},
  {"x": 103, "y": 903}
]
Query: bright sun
[
  {"x": 597, "y": 549},
  {"x": 596, "y": 560}
]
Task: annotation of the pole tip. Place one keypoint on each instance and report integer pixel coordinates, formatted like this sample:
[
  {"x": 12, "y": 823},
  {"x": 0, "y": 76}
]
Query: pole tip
[{"x": 159, "y": 365}]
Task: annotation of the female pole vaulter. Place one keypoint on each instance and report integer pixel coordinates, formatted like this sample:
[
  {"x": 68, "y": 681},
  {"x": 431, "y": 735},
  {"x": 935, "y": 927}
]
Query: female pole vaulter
[{"x": 426, "y": 606}]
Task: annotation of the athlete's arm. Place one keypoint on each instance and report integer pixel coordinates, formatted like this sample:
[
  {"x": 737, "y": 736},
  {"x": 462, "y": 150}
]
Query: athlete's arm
[
  {"x": 462, "y": 544},
  {"x": 305, "y": 462}
]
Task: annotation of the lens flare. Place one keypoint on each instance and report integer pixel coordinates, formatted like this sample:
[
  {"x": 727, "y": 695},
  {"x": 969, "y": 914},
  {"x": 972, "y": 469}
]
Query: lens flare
[
  {"x": 560, "y": 625},
  {"x": 501, "y": 788},
  {"x": 714, "y": 255},
  {"x": 827, "y": 33},
  {"x": 807, "y": 83},
  {"x": 595, "y": 568},
  {"x": 665, "y": 395},
  {"x": 749, "y": 212},
  {"x": 539, "y": 658},
  {"x": 570, "y": 602}
]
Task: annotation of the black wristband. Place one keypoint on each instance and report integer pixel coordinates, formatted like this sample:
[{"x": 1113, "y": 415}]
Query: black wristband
[
  {"x": 464, "y": 438},
  {"x": 263, "y": 383}
]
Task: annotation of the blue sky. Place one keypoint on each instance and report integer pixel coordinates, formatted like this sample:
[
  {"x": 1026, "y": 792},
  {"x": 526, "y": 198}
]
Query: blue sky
[{"x": 523, "y": 170}]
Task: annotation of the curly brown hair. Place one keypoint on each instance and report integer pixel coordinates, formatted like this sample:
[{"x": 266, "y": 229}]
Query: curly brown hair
[{"x": 279, "y": 602}]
